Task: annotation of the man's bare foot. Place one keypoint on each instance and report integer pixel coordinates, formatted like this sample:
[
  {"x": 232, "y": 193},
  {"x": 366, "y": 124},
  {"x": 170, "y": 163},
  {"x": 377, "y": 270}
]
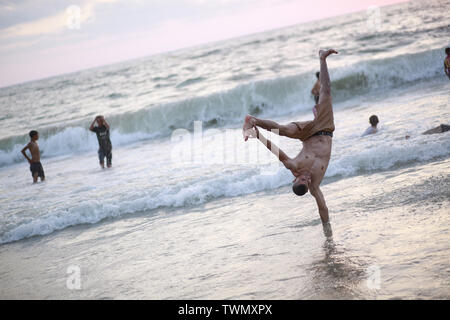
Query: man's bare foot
[
  {"x": 247, "y": 129},
  {"x": 323, "y": 54}
]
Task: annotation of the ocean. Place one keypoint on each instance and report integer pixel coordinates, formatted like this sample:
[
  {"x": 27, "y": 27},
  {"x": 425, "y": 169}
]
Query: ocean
[{"x": 190, "y": 211}]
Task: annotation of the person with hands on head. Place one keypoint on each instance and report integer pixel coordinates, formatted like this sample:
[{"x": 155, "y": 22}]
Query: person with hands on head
[{"x": 104, "y": 141}]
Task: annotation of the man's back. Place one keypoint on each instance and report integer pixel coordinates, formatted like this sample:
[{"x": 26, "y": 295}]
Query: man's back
[
  {"x": 369, "y": 130},
  {"x": 34, "y": 150},
  {"x": 104, "y": 141}
]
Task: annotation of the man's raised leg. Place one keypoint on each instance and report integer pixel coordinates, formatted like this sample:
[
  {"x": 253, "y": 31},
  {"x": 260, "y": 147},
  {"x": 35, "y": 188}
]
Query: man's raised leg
[
  {"x": 289, "y": 130},
  {"x": 325, "y": 83}
]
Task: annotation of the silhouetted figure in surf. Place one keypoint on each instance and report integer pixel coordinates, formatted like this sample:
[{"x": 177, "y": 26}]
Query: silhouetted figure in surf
[
  {"x": 373, "y": 120},
  {"x": 439, "y": 129},
  {"x": 309, "y": 166},
  {"x": 447, "y": 62},
  {"x": 442, "y": 128},
  {"x": 37, "y": 171},
  {"x": 104, "y": 142}
]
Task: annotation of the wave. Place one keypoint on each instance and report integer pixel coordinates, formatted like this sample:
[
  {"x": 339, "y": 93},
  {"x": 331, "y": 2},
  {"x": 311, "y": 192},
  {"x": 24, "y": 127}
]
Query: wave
[
  {"x": 389, "y": 155},
  {"x": 68, "y": 141},
  {"x": 274, "y": 97},
  {"x": 115, "y": 95},
  {"x": 188, "y": 82},
  {"x": 385, "y": 74},
  {"x": 207, "y": 54},
  {"x": 204, "y": 189}
]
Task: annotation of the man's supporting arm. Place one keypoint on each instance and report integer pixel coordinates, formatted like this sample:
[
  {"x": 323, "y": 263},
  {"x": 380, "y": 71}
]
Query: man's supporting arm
[{"x": 321, "y": 204}]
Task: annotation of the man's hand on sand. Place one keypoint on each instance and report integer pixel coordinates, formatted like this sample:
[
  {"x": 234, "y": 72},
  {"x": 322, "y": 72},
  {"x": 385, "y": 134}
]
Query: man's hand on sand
[{"x": 323, "y": 54}]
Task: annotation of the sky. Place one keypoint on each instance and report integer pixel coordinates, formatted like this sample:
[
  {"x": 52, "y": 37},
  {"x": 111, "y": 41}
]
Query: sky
[{"x": 42, "y": 38}]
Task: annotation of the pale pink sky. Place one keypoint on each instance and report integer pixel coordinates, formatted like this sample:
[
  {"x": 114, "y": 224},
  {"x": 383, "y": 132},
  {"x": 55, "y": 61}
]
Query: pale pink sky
[{"x": 41, "y": 41}]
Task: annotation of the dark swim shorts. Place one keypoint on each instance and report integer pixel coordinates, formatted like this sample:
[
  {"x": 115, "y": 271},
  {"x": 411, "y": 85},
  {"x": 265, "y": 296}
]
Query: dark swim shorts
[
  {"x": 105, "y": 153},
  {"x": 37, "y": 167}
]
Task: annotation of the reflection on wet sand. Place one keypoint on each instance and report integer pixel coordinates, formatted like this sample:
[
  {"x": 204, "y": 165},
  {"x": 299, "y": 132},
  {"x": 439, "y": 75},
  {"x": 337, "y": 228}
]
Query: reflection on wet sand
[{"x": 337, "y": 275}]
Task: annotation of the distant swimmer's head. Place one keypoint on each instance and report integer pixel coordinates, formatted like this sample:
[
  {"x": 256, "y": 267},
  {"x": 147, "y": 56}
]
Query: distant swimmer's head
[
  {"x": 301, "y": 183},
  {"x": 34, "y": 134},
  {"x": 373, "y": 120},
  {"x": 447, "y": 51},
  {"x": 317, "y": 75}
]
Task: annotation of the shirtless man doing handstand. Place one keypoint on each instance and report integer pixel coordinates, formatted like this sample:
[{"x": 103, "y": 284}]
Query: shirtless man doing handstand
[{"x": 310, "y": 164}]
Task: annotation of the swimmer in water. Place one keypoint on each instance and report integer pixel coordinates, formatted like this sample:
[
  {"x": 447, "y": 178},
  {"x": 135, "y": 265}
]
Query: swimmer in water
[{"x": 373, "y": 120}]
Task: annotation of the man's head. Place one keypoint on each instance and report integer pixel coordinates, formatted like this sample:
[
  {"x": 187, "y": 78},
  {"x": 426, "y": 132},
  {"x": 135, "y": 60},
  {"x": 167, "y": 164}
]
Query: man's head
[
  {"x": 34, "y": 135},
  {"x": 373, "y": 120},
  {"x": 447, "y": 51},
  {"x": 317, "y": 75},
  {"x": 301, "y": 183},
  {"x": 100, "y": 120}
]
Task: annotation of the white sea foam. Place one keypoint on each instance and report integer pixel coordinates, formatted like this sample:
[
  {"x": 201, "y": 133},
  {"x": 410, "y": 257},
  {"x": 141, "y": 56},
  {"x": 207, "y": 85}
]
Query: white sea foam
[{"x": 201, "y": 190}]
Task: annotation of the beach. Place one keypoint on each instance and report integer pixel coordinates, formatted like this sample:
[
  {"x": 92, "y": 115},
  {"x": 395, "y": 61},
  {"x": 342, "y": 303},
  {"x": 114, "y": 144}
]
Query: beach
[{"x": 191, "y": 211}]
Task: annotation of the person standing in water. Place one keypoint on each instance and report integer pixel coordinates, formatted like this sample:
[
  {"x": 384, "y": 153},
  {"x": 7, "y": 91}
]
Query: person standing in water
[
  {"x": 309, "y": 166},
  {"x": 104, "y": 142},
  {"x": 35, "y": 161},
  {"x": 316, "y": 89},
  {"x": 447, "y": 62}
]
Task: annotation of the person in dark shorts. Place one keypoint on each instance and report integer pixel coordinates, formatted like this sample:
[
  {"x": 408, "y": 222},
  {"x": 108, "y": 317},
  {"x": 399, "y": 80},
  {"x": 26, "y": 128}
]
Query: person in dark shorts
[
  {"x": 104, "y": 142},
  {"x": 37, "y": 171}
]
